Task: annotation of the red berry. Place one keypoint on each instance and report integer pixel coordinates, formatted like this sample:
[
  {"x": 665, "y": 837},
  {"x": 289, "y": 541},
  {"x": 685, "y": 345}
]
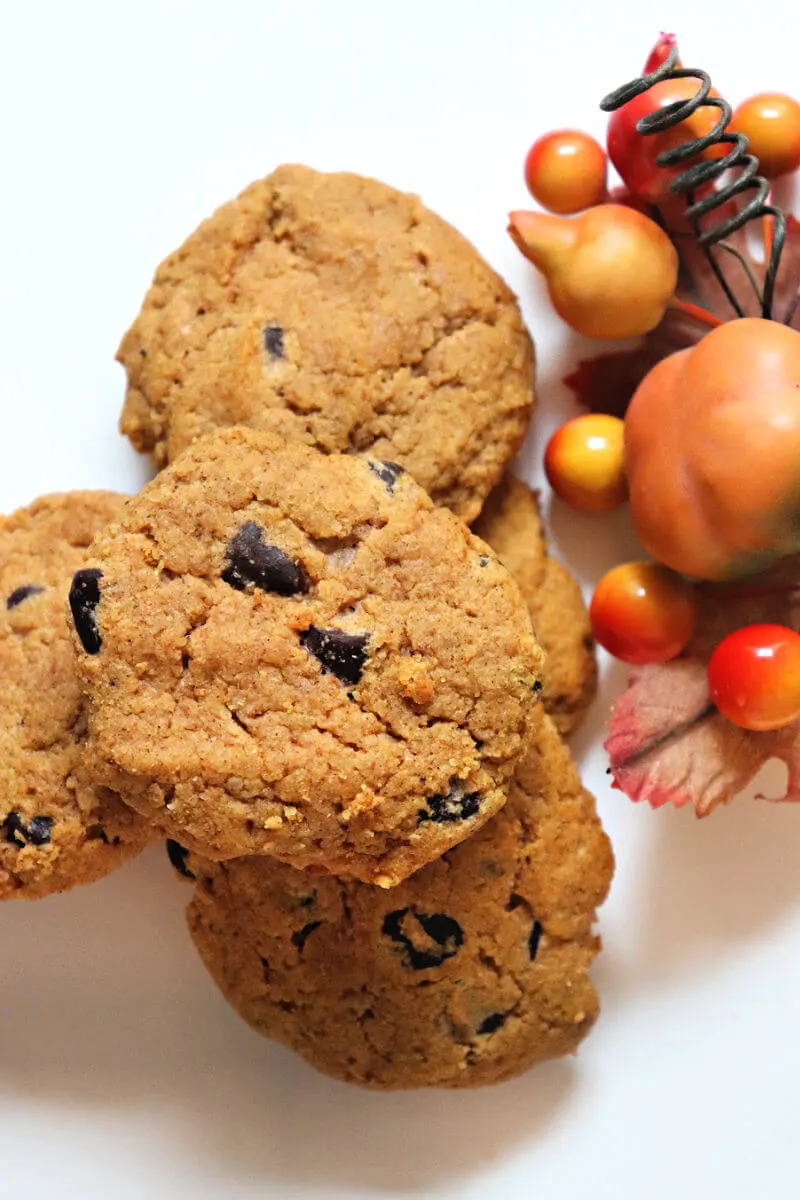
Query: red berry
[
  {"x": 643, "y": 613},
  {"x": 754, "y": 677},
  {"x": 584, "y": 463},
  {"x": 771, "y": 122},
  {"x": 566, "y": 171}
]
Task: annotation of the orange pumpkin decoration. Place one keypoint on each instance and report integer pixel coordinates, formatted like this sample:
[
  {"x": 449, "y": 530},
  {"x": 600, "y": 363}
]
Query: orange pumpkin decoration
[{"x": 712, "y": 452}]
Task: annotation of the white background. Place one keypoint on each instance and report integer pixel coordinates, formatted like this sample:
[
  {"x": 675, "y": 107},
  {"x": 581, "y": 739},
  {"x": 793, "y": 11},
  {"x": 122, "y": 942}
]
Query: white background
[{"x": 122, "y": 1073}]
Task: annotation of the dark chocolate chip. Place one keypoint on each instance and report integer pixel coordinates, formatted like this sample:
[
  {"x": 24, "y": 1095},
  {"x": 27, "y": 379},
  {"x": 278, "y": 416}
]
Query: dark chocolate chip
[
  {"x": 538, "y": 685},
  {"x": 387, "y": 472},
  {"x": 534, "y": 939},
  {"x": 178, "y": 855},
  {"x": 484, "y": 560},
  {"x": 457, "y": 805},
  {"x": 300, "y": 938},
  {"x": 23, "y": 593},
  {"x": 287, "y": 1005},
  {"x": 36, "y": 833},
  {"x": 143, "y": 352},
  {"x": 341, "y": 653},
  {"x": 273, "y": 341},
  {"x": 307, "y": 901},
  {"x": 442, "y": 930},
  {"x": 84, "y": 597},
  {"x": 492, "y": 1023},
  {"x": 252, "y": 560}
]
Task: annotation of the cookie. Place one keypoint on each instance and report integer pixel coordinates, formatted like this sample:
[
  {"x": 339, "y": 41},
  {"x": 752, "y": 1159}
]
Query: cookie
[
  {"x": 57, "y": 828},
  {"x": 295, "y": 654},
  {"x": 511, "y": 524},
  {"x": 466, "y": 974},
  {"x": 336, "y": 311}
]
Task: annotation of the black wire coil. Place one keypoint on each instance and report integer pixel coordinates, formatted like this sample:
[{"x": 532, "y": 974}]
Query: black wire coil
[{"x": 709, "y": 170}]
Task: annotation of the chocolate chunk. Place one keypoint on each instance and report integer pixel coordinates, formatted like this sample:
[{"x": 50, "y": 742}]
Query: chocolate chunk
[
  {"x": 343, "y": 654},
  {"x": 37, "y": 833},
  {"x": 84, "y": 597},
  {"x": 23, "y": 593},
  {"x": 492, "y": 1023},
  {"x": 537, "y": 687},
  {"x": 273, "y": 341},
  {"x": 534, "y": 939},
  {"x": 445, "y": 934},
  {"x": 457, "y": 805},
  {"x": 252, "y": 560},
  {"x": 178, "y": 855},
  {"x": 484, "y": 560},
  {"x": 300, "y": 938},
  {"x": 387, "y": 472}
]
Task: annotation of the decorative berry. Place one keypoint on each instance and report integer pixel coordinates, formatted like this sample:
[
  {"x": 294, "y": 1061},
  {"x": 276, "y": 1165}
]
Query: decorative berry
[
  {"x": 584, "y": 463},
  {"x": 771, "y": 122},
  {"x": 566, "y": 171},
  {"x": 643, "y": 613},
  {"x": 611, "y": 272},
  {"x": 754, "y": 677},
  {"x": 636, "y": 157}
]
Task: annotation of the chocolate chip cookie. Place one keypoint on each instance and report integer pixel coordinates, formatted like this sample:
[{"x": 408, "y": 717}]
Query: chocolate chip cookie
[
  {"x": 339, "y": 312},
  {"x": 511, "y": 524},
  {"x": 468, "y": 973},
  {"x": 295, "y": 654},
  {"x": 57, "y": 827}
]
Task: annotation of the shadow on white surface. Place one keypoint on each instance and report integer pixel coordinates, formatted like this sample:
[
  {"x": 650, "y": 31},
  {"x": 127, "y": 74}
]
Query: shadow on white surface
[
  {"x": 709, "y": 887},
  {"x": 112, "y": 1013}
]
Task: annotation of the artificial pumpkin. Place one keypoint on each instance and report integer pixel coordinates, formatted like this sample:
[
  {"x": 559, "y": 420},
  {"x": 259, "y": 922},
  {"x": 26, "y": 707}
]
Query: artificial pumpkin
[{"x": 712, "y": 452}]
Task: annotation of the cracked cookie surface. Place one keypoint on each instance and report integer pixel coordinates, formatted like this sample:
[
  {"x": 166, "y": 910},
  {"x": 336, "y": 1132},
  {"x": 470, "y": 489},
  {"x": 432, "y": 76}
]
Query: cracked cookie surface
[
  {"x": 295, "y": 654},
  {"x": 337, "y": 311},
  {"x": 468, "y": 973},
  {"x": 57, "y": 828},
  {"x": 511, "y": 524}
]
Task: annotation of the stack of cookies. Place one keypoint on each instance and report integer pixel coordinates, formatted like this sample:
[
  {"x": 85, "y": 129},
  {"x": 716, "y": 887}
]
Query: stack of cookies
[{"x": 293, "y": 659}]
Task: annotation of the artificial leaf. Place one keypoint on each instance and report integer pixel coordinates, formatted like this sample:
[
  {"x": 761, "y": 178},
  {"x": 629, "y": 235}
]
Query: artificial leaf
[
  {"x": 667, "y": 743},
  {"x": 787, "y": 286},
  {"x": 607, "y": 382},
  {"x": 734, "y": 257}
]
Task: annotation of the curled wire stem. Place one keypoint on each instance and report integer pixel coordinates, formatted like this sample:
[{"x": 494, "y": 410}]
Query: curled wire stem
[{"x": 708, "y": 171}]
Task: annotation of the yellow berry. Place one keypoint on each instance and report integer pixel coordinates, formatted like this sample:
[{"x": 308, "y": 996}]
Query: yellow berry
[{"x": 584, "y": 463}]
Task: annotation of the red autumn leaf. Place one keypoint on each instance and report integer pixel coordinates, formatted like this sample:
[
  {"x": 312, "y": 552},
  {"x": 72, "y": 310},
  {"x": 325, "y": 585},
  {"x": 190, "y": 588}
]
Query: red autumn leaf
[
  {"x": 787, "y": 288},
  {"x": 607, "y": 382},
  {"x": 666, "y": 741},
  {"x": 733, "y": 257}
]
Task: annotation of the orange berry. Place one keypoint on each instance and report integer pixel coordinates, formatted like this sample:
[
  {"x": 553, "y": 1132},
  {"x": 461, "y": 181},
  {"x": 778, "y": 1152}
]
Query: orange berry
[
  {"x": 584, "y": 463},
  {"x": 566, "y": 171},
  {"x": 771, "y": 122},
  {"x": 643, "y": 613},
  {"x": 754, "y": 677}
]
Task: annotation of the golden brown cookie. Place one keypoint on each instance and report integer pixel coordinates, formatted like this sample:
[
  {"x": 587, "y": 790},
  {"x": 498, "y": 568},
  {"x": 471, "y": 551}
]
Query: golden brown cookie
[
  {"x": 511, "y": 524},
  {"x": 468, "y": 973},
  {"x": 295, "y": 654},
  {"x": 337, "y": 311},
  {"x": 57, "y": 828}
]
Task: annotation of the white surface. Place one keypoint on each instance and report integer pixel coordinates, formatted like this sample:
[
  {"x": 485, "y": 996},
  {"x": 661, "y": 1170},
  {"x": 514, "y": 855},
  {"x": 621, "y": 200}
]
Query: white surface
[{"x": 122, "y": 1073}]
